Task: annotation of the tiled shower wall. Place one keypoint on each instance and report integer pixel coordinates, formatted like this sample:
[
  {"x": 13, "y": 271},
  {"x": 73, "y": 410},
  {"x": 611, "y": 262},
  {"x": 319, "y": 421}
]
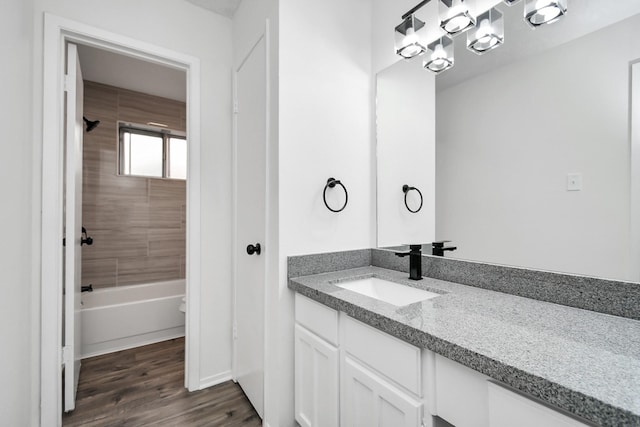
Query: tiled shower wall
[{"x": 137, "y": 224}]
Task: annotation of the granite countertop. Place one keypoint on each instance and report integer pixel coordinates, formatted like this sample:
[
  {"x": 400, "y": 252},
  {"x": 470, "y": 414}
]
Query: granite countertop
[{"x": 584, "y": 362}]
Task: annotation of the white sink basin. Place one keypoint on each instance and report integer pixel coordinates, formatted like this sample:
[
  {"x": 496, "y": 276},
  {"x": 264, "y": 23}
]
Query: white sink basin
[{"x": 383, "y": 290}]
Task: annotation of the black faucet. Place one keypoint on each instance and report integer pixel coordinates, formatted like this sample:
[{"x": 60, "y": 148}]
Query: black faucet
[
  {"x": 439, "y": 248},
  {"x": 415, "y": 261}
]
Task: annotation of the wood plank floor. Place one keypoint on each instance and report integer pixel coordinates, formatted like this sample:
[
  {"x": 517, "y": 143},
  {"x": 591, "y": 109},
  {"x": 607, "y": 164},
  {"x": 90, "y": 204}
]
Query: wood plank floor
[{"x": 145, "y": 387}]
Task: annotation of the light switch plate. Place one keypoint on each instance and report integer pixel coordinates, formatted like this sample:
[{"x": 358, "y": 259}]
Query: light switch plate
[{"x": 574, "y": 182}]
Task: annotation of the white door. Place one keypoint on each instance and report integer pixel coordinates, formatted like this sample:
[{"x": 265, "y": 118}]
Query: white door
[
  {"x": 251, "y": 138},
  {"x": 72, "y": 226}
]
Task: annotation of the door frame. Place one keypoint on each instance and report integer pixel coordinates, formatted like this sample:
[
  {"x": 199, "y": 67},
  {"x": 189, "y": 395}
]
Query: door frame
[
  {"x": 57, "y": 32},
  {"x": 269, "y": 252}
]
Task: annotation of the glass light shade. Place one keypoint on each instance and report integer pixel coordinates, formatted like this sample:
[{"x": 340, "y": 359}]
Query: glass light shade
[
  {"x": 456, "y": 16},
  {"x": 439, "y": 56},
  {"x": 488, "y": 33},
  {"x": 540, "y": 12},
  {"x": 408, "y": 40}
]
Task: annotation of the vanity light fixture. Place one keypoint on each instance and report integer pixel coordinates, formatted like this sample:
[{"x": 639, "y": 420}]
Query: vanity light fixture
[
  {"x": 540, "y": 12},
  {"x": 439, "y": 55},
  {"x": 456, "y": 16},
  {"x": 488, "y": 33},
  {"x": 408, "y": 44}
]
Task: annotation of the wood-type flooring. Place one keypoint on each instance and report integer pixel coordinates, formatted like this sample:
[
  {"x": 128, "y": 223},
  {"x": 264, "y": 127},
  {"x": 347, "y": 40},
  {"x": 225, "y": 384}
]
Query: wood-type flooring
[{"x": 144, "y": 386}]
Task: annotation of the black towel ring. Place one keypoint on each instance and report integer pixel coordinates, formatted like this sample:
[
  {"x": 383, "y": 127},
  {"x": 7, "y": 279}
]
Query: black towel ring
[
  {"x": 405, "y": 190},
  {"x": 331, "y": 183}
]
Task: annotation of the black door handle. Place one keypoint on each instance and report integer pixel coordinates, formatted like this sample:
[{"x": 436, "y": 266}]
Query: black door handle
[{"x": 251, "y": 249}]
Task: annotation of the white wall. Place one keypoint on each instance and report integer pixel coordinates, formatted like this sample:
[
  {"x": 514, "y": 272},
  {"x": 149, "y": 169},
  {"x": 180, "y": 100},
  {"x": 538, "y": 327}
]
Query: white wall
[
  {"x": 635, "y": 173},
  {"x": 325, "y": 95},
  {"x": 507, "y": 139},
  {"x": 175, "y": 25},
  {"x": 16, "y": 374},
  {"x": 406, "y": 154},
  {"x": 325, "y": 131},
  {"x": 321, "y": 98}
]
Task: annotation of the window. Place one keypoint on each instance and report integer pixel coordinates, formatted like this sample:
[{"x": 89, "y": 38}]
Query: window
[{"x": 152, "y": 153}]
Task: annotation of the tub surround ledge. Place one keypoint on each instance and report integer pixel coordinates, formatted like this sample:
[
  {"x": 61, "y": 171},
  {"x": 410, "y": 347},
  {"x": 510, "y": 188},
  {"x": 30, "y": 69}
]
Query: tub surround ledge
[{"x": 584, "y": 362}]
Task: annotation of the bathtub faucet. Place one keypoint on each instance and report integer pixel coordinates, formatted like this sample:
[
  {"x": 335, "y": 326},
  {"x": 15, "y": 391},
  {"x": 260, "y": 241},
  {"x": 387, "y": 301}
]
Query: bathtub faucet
[{"x": 86, "y": 288}]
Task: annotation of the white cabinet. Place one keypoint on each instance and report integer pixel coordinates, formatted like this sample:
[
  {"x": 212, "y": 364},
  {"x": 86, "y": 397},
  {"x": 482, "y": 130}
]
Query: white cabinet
[
  {"x": 369, "y": 400},
  {"x": 395, "y": 359},
  {"x": 316, "y": 380},
  {"x": 466, "y": 398},
  {"x": 461, "y": 394},
  {"x": 508, "y": 409},
  {"x": 317, "y": 393},
  {"x": 381, "y": 378},
  {"x": 317, "y": 318},
  {"x": 350, "y": 374}
]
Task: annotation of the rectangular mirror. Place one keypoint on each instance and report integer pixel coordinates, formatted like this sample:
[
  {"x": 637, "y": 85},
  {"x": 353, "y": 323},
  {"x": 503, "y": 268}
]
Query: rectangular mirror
[
  {"x": 405, "y": 129},
  {"x": 533, "y": 146}
]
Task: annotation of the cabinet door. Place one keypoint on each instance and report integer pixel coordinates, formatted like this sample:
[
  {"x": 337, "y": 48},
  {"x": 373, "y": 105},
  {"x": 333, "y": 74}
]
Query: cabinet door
[
  {"x": 369, "y": 401},
  {"x": 316, "y": 380}
]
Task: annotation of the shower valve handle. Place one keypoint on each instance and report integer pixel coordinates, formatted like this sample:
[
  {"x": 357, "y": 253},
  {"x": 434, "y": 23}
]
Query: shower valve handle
[{"x": 84, "y": 239}]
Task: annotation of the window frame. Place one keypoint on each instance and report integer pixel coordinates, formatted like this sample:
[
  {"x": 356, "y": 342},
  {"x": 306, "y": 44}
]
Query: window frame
[{"x": 164, "y": 133}]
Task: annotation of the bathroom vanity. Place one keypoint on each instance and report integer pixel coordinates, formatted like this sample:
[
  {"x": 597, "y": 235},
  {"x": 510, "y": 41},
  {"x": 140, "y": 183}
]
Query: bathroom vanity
[{"x": 468, "y": 355}]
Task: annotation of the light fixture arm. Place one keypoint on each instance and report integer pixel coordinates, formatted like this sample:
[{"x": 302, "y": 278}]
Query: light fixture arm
[{"x": 414, "y": 9}]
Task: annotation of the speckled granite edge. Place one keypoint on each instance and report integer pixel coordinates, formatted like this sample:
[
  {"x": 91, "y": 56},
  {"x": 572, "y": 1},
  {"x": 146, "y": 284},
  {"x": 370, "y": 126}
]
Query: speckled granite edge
[
  {"x": 579, "y": 404},
  {"x": 306, "y": 265},
  {"x": 605, "y": 296}
]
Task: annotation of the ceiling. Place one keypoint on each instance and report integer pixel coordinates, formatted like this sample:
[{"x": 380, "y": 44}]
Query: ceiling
[
  {"x": 221, "y": 7},
  {"x": 583, "y": 17},
  {"x": 122, "y": 71},
  {"x": 520, "y": 41}
]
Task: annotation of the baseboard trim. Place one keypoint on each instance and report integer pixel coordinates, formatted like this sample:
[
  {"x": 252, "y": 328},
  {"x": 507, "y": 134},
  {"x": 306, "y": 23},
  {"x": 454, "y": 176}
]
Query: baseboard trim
[
  {"x": 100, "y": 348},
  {"x": 215, "y": 380}
]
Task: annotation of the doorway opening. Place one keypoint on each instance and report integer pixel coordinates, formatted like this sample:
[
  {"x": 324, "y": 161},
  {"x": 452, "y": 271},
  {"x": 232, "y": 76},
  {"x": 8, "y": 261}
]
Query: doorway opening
[
  {"x": 132, "y": 207},
  {"x": 134, "y": 176},
  {"x": 59, "y": 35}
]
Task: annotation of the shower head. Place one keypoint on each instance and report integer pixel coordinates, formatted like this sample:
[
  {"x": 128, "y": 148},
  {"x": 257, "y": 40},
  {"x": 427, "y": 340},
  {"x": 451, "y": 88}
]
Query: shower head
[{"x": 91, "y": 125}]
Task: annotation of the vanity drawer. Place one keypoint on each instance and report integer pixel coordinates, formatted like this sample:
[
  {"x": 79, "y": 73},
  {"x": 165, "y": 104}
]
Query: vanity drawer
[
  {"x": 508, "y": 408},
  {"x": 394, "y": 358},
  {"x": 461, "y": 394},
  {"x": 318, "y": 318}
]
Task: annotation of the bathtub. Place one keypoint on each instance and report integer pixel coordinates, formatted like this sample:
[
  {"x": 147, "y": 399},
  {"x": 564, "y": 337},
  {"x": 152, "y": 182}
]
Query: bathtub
[{"x": 124, "y": 317}]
